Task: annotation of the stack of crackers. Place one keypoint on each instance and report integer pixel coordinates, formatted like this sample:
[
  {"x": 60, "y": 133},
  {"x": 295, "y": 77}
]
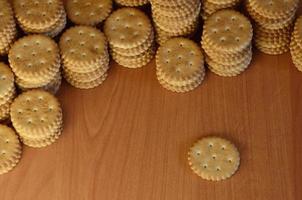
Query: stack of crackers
[
  {"x": 131, "y": 37},
  {"x": 131, "y": 3},
  {"x": 37, "y": 117},
  {"x": 211, "y": 6},
  {"x": 226, "y": 40},
  {"x": 88, "y": 12},
  {"x": 10, "y": 149},
  {"x": 40, "y": 16},
  {"x": 273, "y": 24},
  {"x": 85, "y": 56},
  {"x": 35, "y": 60},
  {"x": 8, "y": 31},
  {"x": 175, "y": 18},
  {"x": 7, "y": 91},
  {"x": 296, "y": 44},
  {"x": 180, "y": 65}
]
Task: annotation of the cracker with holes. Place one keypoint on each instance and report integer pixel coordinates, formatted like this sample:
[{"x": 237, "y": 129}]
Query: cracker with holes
[
  {"x": 40, "y": 16},
  {"x": 214, "y": 158},
  {"x": 7, "y": 90},
  {"x": 180, "y": 65},
  {"x": 88, "y": 12},
  {"x": 10, "y": 149},
  {"x": 36, "y": 62},
  {"x": 175, "y": 18},
  {"x": 273, "y": 23},
  {"x": 8, "y": 31},
  {"x": 85, "y": 56},
  {"x": 227, "y": 41},
  {"x": 37, "y": 117},
  {"x": 131, "y": 37}
]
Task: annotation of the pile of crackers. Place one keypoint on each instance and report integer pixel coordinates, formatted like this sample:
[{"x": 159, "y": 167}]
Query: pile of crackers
[
  {"x": 273, "y": 24},
  {"x": 175, "y": 18},
  {"x": 37, "y": 117},
  {"x": 35, "y": 61},
  {"x": 227, "y": 42},
  {"x": 85, "y": 56},
  {"x": 131, "y": 37},
  {"x": 180, "y": 65},
  {"x": 209, "y": 7},
  {"x": 296, "y": 44}
]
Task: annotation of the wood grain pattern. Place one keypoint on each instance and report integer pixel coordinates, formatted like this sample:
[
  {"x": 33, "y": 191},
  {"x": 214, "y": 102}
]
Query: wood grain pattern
[{"x": 128, "y": 139}]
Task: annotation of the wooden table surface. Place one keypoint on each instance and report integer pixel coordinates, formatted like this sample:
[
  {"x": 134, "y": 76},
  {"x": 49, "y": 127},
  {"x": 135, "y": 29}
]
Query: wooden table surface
[{"x": 128, "y": 139}]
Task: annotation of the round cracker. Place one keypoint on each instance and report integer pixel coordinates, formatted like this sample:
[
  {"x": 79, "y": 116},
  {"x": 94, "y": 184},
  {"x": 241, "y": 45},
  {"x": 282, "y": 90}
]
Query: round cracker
[
  {"x": 214, "y": 158},
  {"x": 84, "y": 46},
  {"x": 36, "y": 114},
  {"x": 88, "y": 12},
  {"x": 228, "y": 31},
  {"x": 127, "y": 28},
  {"x": 35, "y": 58},
  {"x": 180, "y": 59},
  {"x": 40, "y": 15}
]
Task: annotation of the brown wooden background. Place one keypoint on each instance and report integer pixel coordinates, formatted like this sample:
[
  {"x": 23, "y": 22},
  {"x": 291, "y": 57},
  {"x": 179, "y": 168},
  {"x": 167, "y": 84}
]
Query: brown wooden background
[{"x": 128, "y": 139}]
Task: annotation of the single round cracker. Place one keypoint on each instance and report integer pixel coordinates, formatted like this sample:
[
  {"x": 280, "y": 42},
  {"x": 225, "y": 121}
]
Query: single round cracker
[
  {"x": 35, "y": 58},
  {"x": 10, "y": 149},
  {"x": 127, "y": 28},
  {"x": 84, "y": 46},
  {"x": 228, "y": 31},
  {"x": 40, "y": 15},
  {"x": 36, "y": 114},
  {"x": 214, "y": 158},
  {"x": 88, "y": 12},
  {"x": 180, "y": 59}
]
